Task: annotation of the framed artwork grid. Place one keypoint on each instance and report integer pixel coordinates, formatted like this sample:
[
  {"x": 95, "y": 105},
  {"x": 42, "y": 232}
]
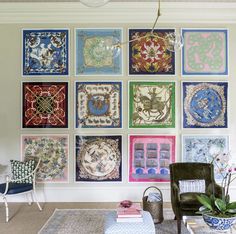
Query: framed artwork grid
[{"x": 130, "y": 99}]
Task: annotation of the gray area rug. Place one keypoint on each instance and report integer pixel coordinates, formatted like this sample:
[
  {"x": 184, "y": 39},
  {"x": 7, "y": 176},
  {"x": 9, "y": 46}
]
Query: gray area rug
[{"x": 74, "y": 221}]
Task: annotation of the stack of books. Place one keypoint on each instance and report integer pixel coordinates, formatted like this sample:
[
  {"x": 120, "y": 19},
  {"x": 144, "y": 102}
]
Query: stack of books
[{"x": 132, "y": 214}]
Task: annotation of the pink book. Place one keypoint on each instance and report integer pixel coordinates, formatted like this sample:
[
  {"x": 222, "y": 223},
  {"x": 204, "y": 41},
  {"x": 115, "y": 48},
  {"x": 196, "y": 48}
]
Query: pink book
[
  {"x": 132, "y": 215},
  {"x": 133, "y": 212},
  {"x": 129, "y": 220}
]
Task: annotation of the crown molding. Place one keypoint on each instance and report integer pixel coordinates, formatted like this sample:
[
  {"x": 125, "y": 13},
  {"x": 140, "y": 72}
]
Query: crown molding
[{"x": 117, "y": 13}]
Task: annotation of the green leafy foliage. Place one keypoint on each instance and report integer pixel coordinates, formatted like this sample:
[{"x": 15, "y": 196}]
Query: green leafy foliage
[
  {"x": 216, "y": 206},
  {"x": 205, "y": 201},
  {"x": 231, "y": 208},
  {"x": 221, "y": 205}
]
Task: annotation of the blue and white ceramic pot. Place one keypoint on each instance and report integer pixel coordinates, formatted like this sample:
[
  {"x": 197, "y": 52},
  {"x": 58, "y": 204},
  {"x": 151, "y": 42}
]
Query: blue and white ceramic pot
[{"x": 218, "y": 223}]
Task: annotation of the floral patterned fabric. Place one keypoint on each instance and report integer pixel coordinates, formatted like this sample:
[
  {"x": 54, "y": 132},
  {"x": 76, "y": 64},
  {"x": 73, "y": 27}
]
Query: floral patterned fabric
[
  {"x": 53, "y": 152},
  {"x": 22, "y": 169},
  {"x": 149, "y": 55}
]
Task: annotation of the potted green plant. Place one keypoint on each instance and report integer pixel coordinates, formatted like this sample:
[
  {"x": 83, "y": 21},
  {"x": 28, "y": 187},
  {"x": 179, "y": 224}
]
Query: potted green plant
[{"x": 220, "y": 213}]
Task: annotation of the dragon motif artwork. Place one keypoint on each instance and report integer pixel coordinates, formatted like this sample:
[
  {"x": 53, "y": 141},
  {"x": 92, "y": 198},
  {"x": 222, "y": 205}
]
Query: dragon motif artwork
[
  {"x": 98, "y": 104},
  {"x": 45, "y": 104},
  {"x": 151, "y": 104},
  {"x": 53, "y": 150},
  {"x": 93, "y": 56},
  {"x": 205, "y": 104},
  {"x": 199, "y": 148},
  {"x": 150, "y": 157},
  {"x": 45, "y": 52},
  {"x": 205, "y": 52},
  {"x": 98, "y": 158},
  {"x": 149, "y": 55}
]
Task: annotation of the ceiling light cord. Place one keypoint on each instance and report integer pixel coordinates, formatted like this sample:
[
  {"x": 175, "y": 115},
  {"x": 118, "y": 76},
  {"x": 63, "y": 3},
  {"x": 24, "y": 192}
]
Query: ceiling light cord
[
  {"x": 172, "y": 40},
  {"x": 158, "y": 15},
  {"x": 119, "y": 44}
]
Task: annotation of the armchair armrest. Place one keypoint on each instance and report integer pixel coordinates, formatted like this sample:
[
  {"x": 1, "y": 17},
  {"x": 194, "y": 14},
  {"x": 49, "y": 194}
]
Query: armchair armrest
[
  {"x": 219, "y": 191},
  {"x": 175, "y": 191},
  {"x": 7, "y": 179}
]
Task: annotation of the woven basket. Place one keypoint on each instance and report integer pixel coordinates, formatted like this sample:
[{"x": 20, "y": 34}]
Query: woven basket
[{"x": 154, "y": 208}]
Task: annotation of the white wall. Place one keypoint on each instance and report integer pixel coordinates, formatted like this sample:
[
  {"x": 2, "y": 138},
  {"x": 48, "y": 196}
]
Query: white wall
[{"x": 14, "y": 17}]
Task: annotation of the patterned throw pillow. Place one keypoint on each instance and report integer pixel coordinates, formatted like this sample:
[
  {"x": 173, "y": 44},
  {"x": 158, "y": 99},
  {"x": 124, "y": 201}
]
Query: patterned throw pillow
[
  {"x": 20, "y": 170},
  {"x": 192, "y": 186}
]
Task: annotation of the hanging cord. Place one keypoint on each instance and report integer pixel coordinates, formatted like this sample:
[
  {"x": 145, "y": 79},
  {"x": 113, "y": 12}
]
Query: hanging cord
[
  {"x": 119, "y": 44},
  {"x": 158, "y": 15}
]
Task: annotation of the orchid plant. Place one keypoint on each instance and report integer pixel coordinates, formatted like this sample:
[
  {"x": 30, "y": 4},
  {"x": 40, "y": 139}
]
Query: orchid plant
[{"x": 220, "y": 207}]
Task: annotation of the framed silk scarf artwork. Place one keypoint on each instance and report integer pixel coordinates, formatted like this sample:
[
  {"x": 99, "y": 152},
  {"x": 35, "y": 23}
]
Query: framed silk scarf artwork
[
  {"x": 204, "y": 148},
  {"x": 45, "y": 52},
  {"x": 149, "y": 55},
  {"x": 98, "y": 104},
  {"x": 151, "y": 104},
  {"x": 44, "y": 104},
  {"x": 53, "y": 150},
  {"x": 205, "y": 104},
  {"x": 150, "y": 157},
  {"x": 92, "y": 53},
  {"x": 205, "y": 52},
  {"x": 98, "y": 158}
]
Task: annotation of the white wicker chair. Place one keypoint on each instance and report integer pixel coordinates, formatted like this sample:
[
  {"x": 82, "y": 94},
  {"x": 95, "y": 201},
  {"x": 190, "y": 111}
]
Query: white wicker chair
[{"x": 13, "y": 187}]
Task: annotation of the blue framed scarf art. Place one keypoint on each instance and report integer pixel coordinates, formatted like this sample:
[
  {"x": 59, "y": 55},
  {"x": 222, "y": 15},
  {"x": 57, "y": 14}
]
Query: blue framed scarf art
[
  {"x": 91, "y": 55},
  {"x": 205, "y": 104},
  {"x": 45, "y": 52}
]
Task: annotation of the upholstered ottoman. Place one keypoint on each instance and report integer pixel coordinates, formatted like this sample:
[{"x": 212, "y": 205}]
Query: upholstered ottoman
[{"x": 112, "y": 227}]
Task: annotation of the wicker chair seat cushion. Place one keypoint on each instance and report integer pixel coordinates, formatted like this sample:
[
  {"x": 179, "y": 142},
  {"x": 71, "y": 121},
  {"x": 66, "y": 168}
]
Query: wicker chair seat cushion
[{"x": 15, "y": 188}]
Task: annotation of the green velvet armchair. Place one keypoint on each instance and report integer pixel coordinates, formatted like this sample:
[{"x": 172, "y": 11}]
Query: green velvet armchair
[{"x": 187, "y": 203}]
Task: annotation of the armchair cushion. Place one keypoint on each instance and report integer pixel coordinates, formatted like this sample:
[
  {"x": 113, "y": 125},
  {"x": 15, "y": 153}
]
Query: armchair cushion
[
  {"x": 191, "y": 186},
  {"x": 16, "y": 188},
  {"x": 189, "y": 199},
  {"x": 189, "y": 203},
  {"x": 20, "y": 170}
]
